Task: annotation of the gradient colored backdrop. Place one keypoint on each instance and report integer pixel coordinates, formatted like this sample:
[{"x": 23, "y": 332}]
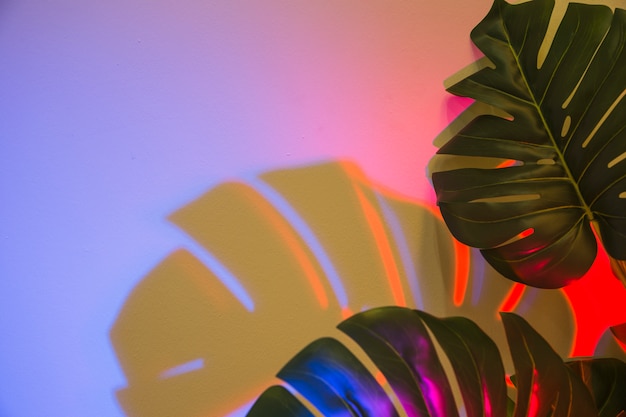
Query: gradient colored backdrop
[{"x": 126, "y": 125}]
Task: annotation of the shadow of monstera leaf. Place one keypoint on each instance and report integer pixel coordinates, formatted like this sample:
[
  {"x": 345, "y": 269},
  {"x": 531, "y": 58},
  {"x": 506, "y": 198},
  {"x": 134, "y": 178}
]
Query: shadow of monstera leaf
[{"x": 275, "y": 261}]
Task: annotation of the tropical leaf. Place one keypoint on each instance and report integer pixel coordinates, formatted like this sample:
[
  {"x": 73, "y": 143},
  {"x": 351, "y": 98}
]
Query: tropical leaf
[
  {"x": 398, "y": 341},
  {"x": 399, "y": 344},
  {"x": 336, "y": 382},
  {"x": 477, "y": 364},
  {"x": 306, "y": 268},
  {"x": 606, "y": 380},
  {"x": 619, "y": 332},
  {"x": 277, "y": 401},
  {"x": 563, "y": 138},
  {"x": 545, "y": 385}
]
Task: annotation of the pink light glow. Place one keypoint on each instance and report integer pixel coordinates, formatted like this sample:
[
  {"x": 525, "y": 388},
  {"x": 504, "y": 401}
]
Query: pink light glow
[
  {"x": 116, "y": 113},
  {"x": 533, "y": 401},
  {"x": 434, "y": 401},
  {"x": 487, "y": 401}
]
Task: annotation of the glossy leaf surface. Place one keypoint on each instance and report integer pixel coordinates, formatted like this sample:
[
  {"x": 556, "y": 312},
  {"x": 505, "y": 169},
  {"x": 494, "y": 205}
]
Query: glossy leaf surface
[
  {"x": 545, "y": 385},
  {"x": 564, "y": 133},
  {"x": 276, "y": 401},
  {"x": 399, "y": 343},
  {"x": 336, "y": 382},
  {"x": 606, "y": 380},
  {"x": 476, "y": 362}
]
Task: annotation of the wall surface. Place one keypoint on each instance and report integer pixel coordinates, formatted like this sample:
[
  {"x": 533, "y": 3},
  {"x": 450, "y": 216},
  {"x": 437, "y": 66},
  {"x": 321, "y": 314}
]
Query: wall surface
[{"x": 193, "y": 190}]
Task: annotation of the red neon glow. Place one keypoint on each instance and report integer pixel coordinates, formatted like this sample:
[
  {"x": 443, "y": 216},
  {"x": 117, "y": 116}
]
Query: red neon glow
[
  {"x": 507, "y": 163},
  {"x": 521, "y": 235},
  {"x": 513, "y": 298},
  {"x": 295, "y": 245},
  {"x": 461, "y": 272},
  {"x": 526, "y": 233},
  {"x": 595, "y": 298},
  {"x": 384, "y": 247},
  {"x": 461, "y": 251},
  {"x": 533, "y": 401},
  {"x": 598, "y": 301}
]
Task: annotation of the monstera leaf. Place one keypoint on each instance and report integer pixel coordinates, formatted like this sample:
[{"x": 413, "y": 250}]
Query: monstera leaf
[
  {"x": 560, "y": 134},
  {"x": 398, "y": 341},
  {"x": 603, "y": 376}
]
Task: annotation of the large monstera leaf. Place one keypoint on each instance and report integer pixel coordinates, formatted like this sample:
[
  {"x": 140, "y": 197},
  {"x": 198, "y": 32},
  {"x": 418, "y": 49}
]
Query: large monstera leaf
[
  {"x": 562, "y": 131},
  {"x": 398, "y": 341}
]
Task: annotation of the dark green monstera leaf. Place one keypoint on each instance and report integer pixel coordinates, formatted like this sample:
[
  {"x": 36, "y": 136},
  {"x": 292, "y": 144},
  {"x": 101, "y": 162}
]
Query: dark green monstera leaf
[
  {"x": 606, "y": 380},
  {"x": 401, "y": 343},
  {"x": 563, "y": 135}
]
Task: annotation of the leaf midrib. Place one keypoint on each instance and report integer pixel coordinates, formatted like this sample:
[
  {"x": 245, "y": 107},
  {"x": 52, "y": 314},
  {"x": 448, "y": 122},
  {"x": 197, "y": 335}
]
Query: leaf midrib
[{"x": 535, "y": 103}]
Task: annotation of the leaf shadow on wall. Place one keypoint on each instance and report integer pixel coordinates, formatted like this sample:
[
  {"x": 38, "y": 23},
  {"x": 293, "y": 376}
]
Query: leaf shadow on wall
[{"x": 278, "y": 260}]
